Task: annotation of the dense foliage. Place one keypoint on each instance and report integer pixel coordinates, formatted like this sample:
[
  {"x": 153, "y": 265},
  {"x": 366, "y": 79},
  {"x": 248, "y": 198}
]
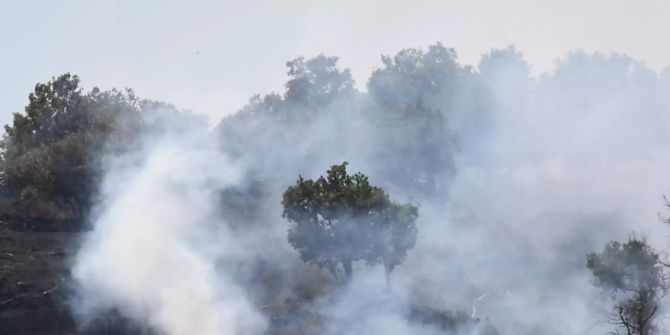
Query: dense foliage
[
  {"x": 342, "y": 218},
  {"x": 633, "y": 274},
  {"x": 52, "y": 153}
]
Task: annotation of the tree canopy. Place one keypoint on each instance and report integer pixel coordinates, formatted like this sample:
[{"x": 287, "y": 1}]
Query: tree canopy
[
  {"x": 51, "y": 153},
  {"x": 633, "y": 274},
  {"x": 341, "y": 218}
]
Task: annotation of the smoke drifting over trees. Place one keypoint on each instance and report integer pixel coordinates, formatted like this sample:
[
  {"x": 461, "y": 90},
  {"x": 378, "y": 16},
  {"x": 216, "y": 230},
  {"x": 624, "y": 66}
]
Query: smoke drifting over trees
[
  {"x": 516, "y": 179},
  {"x": 53, "y": 153}
]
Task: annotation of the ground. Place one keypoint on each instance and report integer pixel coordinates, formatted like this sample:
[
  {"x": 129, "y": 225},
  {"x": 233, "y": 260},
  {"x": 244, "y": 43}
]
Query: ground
[
  {"x": 35, "y": 292},
  {"x": 33, "y": 281}
]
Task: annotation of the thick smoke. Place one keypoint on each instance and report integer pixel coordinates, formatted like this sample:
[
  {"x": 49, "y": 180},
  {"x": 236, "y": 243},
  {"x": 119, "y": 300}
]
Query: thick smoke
[
  {"x": 572, "y": 160},
  {"x": 517, "y": 179},
  {"x": 158, "y": 253}
]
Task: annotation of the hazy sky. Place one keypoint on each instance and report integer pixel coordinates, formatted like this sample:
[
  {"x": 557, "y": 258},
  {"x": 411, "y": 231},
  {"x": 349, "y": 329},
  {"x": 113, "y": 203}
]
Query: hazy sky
[{"x": 210, "y": 56}]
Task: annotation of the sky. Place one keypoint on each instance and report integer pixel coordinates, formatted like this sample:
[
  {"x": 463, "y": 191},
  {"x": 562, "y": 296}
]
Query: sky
[{"x": 211, "y": 56}]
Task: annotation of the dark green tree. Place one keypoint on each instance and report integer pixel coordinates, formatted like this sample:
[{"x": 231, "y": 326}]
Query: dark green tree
[
  {"x": 633, "y": 276},
  {"x": 341, "y": 218},
  {"x": 51, "y": 154},
  {"x": 48, "y": 151}
]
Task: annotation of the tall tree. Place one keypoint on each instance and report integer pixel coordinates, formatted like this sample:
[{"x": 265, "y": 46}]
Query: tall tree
[
  {"x": 422, "y": 101},
  {"x": 418, "y": 149},
  {"x": 341, "y": 218},
  {"x": 436, "y": 79}
]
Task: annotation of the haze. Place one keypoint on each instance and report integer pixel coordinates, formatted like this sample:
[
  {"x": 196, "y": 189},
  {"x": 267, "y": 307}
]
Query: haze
[{"x": 211, "y": 56}]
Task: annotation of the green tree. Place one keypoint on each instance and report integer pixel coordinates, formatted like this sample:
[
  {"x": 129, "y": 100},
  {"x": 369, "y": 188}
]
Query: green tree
[
  {"x": 51, "y": 155},
  {"x": 340, "y": 218},
  {"x": 633, "y": 276},
  {"x": 48, "y": 151},
  {"x": 316, "y": 82}
]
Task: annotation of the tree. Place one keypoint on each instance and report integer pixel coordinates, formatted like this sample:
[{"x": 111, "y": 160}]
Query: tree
[
  {"x": 48, "y": 151},
  {"x": 507, "y": 76},
  {"x": 316, "y": 82},
  {"x": 404, "y": 119},
  {"x": 633, "y": 275},
  {"x": 51, "y": 154},
  {"x": 436, "y": 79},
  {"x": 418, "y": 149},
  {"x": 341, "y": 218},
  {"x": 317, "y": 93},
  {"x": 420, "y": 101}
]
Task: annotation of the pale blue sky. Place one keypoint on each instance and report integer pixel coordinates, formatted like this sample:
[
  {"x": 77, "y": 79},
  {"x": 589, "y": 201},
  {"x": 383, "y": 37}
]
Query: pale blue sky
[{"x": 210, "y": 56}]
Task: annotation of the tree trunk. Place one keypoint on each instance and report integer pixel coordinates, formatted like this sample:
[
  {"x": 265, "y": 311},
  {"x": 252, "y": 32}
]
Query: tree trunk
[{"x": 347, "y": 269}]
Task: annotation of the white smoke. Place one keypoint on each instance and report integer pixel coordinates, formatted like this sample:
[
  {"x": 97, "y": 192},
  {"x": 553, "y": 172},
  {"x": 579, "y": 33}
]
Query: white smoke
[
  {"x": 158, "y": 251},
  {"x": 573, "y": 159}
]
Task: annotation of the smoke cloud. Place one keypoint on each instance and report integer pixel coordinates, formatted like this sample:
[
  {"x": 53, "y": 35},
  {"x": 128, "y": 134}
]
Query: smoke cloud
[
  {"x": 156, "y": 253},
  {"x": 517, "y": 178}
]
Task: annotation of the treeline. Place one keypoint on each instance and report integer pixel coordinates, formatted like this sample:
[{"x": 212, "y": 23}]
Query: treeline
[
  {"x": 422, "y": 110},
  {"x": 421, "y": 114},
  {"x": 53, "y": 153}
]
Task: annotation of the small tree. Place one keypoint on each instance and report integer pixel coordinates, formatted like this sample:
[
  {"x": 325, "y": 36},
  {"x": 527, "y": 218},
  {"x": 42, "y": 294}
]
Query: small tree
[
  {"x": 341, "y": 218},
  {"x": 632, "y": 273}
]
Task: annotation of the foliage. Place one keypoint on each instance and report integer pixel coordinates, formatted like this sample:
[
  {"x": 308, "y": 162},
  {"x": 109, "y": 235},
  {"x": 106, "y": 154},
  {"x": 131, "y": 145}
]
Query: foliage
[
  {"x": 342, "y": 218},
  {"x": 412, "y": 75},
  {"x": 316, "y": 82},
  {"x": 51, "y": 153},
  {"x": 633, "y": 274},
  {"x": 435, "y": 79},
  {"x": 398, "y": 120}
]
